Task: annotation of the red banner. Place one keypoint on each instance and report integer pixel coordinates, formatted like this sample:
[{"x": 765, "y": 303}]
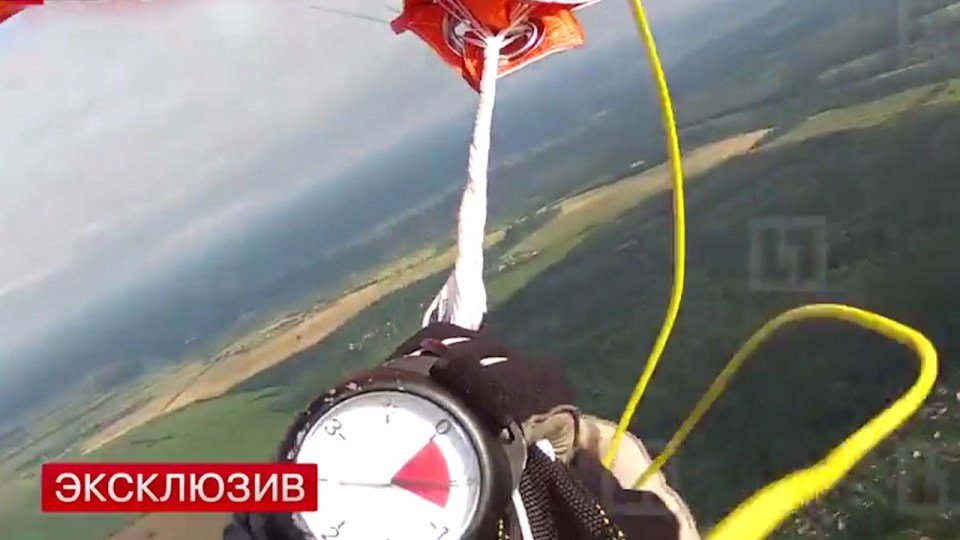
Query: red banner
[{"x": 178, "y": 487}]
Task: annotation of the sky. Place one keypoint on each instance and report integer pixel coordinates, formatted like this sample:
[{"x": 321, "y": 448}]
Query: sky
[{"x": 131, "y": 124}]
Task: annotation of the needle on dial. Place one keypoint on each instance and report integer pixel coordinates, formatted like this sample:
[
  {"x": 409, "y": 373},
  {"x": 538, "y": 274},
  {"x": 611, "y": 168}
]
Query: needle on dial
[{"x": 393, "y": 483}]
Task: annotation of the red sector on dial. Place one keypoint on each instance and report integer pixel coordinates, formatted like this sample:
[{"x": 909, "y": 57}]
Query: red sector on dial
[{"x": 426, "y": 475}]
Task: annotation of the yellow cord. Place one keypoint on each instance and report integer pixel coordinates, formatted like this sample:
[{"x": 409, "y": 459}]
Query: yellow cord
[
  {"x": 759, "y": 515},
  {"x": 680, "y": 233},
  {"x": 763, "y": 512}
]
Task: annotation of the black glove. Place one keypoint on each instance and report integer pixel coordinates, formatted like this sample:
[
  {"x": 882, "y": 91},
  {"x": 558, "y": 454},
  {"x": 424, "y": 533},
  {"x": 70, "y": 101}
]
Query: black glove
[
  {"x": 500, "y": 383},
  {"x": 561, "y": 496}
]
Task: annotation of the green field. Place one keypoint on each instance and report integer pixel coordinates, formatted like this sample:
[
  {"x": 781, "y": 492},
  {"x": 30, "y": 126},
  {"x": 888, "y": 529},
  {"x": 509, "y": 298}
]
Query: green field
[
  {"x": 856, "y": 139},
  {"x": 238, "y": 427},
  {"x": 244, "y": 426},
  {"x": 873, "y": 113},
  {"x": 558, "y": 253},
  {"x": 889, "y": 195}
]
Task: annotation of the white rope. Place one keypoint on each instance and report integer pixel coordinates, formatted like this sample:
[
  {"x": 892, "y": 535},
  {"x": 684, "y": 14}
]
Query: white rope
[
  {"x": 463, "y": 299},
  {"x": 526, "y": 532}
]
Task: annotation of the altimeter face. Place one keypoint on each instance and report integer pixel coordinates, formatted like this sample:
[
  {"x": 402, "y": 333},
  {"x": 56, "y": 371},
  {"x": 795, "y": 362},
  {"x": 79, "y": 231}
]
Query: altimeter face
[{"x": 391, "y": 466}]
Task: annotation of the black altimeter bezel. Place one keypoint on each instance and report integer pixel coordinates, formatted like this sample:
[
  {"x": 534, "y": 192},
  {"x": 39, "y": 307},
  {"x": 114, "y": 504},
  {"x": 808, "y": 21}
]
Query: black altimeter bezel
[{"x": 496, "y": 449}]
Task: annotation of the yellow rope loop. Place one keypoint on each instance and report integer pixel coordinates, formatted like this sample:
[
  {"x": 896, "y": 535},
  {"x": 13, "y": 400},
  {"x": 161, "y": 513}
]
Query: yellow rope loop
[
  {"x": 680, "y": 234},
  {"x": 871, "y": 321},
  {"x": 759, "y": 515}
]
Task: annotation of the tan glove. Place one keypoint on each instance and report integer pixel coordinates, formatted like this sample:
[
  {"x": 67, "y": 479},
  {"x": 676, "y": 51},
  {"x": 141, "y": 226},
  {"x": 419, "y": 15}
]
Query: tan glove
[{"x": 560, "y": 426}]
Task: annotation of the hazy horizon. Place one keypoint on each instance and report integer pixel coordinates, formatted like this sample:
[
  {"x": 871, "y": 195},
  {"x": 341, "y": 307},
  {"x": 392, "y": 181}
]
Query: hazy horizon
[{"x": 131, "y": 158}]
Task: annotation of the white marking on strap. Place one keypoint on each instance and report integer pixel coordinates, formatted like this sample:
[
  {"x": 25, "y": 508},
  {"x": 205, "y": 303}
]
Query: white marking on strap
[
  {"x": 525, "y": 531},
  {"x": 547, "y": 448},
  {"x": 492, "y": 360}
]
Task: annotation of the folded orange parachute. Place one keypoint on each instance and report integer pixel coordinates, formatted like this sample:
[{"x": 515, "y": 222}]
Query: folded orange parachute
[
  {"x": 456, "y": 30},
  {"x": 9, "y": 8}
]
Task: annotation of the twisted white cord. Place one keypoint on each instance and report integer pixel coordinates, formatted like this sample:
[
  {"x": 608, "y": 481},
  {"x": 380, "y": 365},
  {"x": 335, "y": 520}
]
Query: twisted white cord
[{"x": 463, "y": 299}]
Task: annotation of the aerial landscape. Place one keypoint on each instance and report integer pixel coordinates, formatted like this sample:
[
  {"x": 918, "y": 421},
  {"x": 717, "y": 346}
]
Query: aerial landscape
[{"x": 202, "y": 346}]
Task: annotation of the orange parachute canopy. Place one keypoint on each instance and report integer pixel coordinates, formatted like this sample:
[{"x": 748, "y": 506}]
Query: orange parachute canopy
[
  {"x": 456, "y": 30},
  {"x": 9, "y": 8}
]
